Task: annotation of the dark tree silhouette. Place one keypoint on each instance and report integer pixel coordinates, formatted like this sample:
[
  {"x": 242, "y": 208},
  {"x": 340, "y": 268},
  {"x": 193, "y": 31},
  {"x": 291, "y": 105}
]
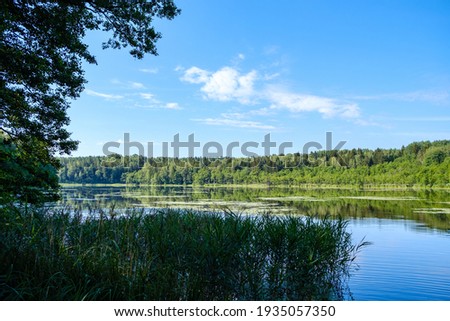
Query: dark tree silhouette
[{"x": 41, "y": 55}]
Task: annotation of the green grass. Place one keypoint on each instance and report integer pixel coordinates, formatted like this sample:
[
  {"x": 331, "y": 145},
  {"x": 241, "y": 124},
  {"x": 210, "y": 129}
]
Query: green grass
[{"x": 50, "y": 254}]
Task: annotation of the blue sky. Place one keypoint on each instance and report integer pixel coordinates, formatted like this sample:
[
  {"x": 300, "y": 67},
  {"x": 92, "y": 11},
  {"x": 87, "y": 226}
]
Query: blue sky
[{"x": 374, "y": 73}]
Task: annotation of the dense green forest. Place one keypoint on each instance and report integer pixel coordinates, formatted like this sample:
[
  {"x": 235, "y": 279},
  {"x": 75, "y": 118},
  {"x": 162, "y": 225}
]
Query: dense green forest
[{"x": 419, "y": 163}]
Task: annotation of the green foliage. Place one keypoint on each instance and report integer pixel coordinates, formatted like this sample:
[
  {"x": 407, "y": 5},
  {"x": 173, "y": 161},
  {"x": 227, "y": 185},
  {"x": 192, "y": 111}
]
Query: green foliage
[
  {"x": 421, "y": 164},
  {"x": 171, "y": 255},
  {"x": 436, "y": 155},
  {"x": 41, "y": 56},
  {"x": 97, "y": 170},
  {"x": 27, "y": 176}
]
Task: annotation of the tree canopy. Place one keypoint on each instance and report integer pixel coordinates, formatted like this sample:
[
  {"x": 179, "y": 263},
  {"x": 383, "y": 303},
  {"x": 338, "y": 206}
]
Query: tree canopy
[{"x": 41, "y": 55}]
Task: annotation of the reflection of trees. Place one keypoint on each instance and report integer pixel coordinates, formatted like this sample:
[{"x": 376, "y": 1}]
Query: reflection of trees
[
  {"x": 302, "y": 201},
  {"x": 95, "y": 197}
]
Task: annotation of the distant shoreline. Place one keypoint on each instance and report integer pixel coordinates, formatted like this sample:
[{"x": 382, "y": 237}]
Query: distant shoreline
[{"x": 368, "y": 187}]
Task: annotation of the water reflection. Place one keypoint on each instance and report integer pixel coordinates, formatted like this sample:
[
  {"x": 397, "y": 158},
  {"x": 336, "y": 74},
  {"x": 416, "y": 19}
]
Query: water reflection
[
  {"x": 404, "y": 263},
  {"x": 429, "y": 208},
  {"x": 409, "y": 258}
]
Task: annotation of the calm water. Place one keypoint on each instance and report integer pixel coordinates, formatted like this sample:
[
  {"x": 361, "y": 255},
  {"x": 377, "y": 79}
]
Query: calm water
[{"x": 409, "y": 258}]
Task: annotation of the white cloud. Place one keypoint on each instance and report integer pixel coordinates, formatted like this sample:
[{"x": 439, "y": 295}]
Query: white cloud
[
  {"x": 149, "y": 70},
  {"x": 248, "y": 114},
  {"x": 173, "y": 106},
  {"x": 153, "y": 103},
  {"x": 271, "y": 76},
  {"x": 148, "y": 96},
  {"x": 349, "y": 110},
  {"x": 226, "y": 84},
  {"x": 234, "y": 123},
  {"x": 102, "y": 95},
  {"x": 296, "y": 103},
  {"x": 128, "y": 84},
  {"x": 261, "y": 112},
  {"x": 241, "y": 56},
  {"x": 195, "y": 75},
  {"x": 234, "y": 115},
  {"x": 136, "y": 85}
]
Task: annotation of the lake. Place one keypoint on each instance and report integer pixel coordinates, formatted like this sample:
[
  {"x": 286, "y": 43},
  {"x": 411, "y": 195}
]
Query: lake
[{"x": 409, "y": 258}]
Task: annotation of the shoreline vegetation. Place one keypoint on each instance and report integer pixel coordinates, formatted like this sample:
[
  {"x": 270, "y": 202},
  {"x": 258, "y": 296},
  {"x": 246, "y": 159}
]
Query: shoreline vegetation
[
  {"x": 367, "y": 187},
  {"x": 64, "y": 254},
  {"x": 418, "y": 165}
]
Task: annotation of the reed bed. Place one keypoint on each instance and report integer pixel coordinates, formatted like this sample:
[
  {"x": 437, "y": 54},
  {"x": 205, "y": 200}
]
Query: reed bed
[{"x": 170, "y": 254}]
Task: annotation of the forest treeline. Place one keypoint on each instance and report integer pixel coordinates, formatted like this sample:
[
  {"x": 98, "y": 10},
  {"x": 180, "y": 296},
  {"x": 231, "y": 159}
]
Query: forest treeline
[{"x": 420, "y": 163}]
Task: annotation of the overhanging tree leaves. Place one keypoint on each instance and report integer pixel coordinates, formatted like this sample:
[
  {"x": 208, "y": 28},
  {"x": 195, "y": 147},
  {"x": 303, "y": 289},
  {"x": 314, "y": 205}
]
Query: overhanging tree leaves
[{"x": 41, "y": 55}]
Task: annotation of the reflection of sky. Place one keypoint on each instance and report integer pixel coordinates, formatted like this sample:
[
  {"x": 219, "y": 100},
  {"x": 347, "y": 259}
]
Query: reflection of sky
[{"x": 405, "y": 261}]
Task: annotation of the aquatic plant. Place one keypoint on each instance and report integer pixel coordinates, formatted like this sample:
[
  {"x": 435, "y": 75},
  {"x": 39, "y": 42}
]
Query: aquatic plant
[{"x": 170, "y": 254}]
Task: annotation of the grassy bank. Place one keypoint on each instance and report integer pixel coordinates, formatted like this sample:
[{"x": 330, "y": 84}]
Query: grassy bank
[{"x": 171, "y": 255}]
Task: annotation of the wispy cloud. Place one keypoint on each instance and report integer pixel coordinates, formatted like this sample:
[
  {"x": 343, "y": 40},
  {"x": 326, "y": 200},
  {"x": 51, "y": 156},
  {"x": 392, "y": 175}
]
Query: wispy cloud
[
  {"x": 228, "y": 84},
  {"x": 234, "y": 123},
  {"x": 248, "y": 114},
  {"x": 271, "y": 76},
  {"x": 151, "y": 102},
  {"x": 148, "y": 96},
  {"x": 149, "y": 70},
  {"x": 136, "y": 85},
  {"x": 128, "y": 84},
  {"x": 421, "y": 119},
  {"x": 234, "y": 115},
  {"x": 120, "y": 141},
  {"x": 175, "y": 106},
  {"x": 271, "y": 50},
  {"x": 103, "y": 95},
  {"x": 297, "y": 103},
  {"x": 436, "y": 97}
]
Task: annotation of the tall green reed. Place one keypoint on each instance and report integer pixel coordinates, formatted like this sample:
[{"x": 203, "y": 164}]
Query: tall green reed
[{"x": 64, "y": 254}]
